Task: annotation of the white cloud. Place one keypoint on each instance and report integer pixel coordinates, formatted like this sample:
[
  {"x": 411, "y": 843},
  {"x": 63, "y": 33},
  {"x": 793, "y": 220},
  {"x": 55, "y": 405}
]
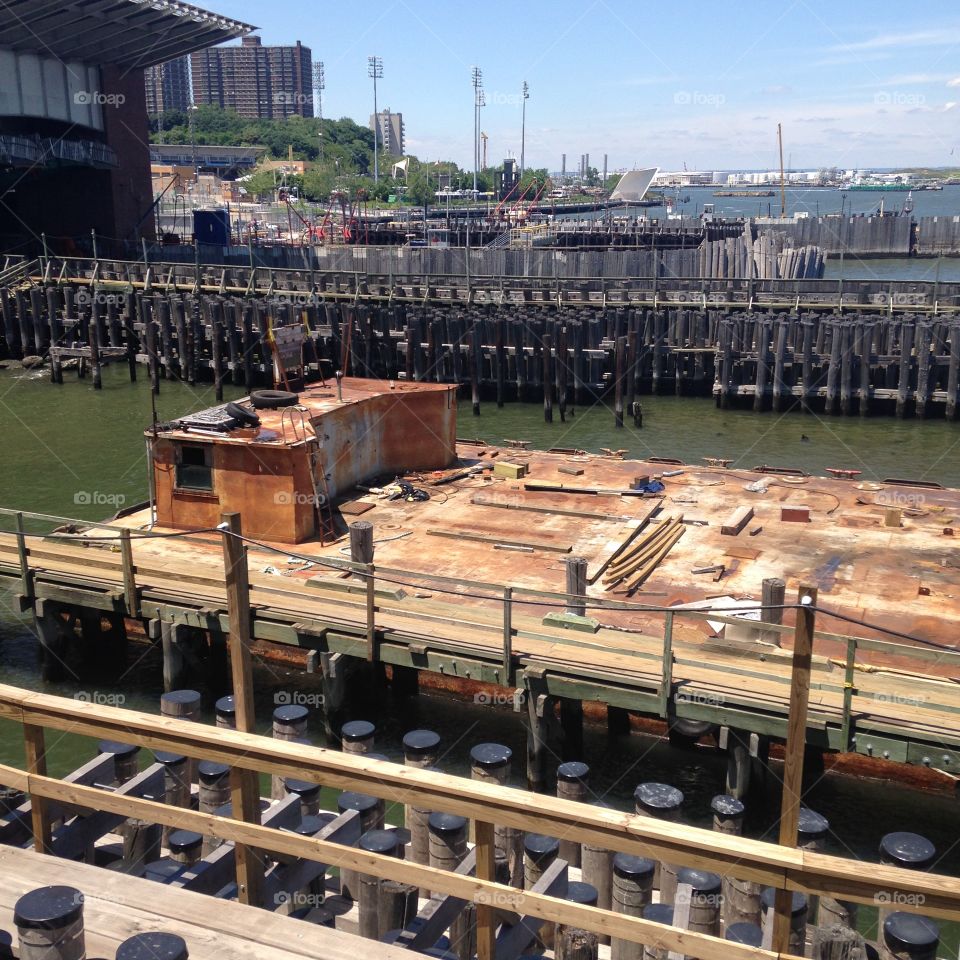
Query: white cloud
[
  {"x": 955, "y": 82},
  {"x": 919, "y": 38}
]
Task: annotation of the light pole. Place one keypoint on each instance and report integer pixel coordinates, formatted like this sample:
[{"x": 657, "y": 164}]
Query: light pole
[
  {"x": 476, "y": 78},
  {"x": 523, "y": 126},
  {"x": 319, "y": 85},
  {"x": 375, "y": 71}
]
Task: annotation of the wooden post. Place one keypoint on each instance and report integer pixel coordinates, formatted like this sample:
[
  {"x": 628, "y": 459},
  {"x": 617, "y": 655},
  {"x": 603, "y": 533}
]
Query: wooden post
[
  {"x": 129, "y": 575},
  {"x": 244, "y": 785},
  {"x": 36, "y": 756},
  {"x": 576, "y": 585},
  {"x": 507, "y": 635},
  {"x": 547, "y": 378},
  {"x": 26, "y": 577},
  {"x": 486, "y": 870},
  {"x": 620, "y": 361},
  {"x": 372, "y": 652},
  {"x": 774, "y": 591},
  {"x": 795, "y": 748}
]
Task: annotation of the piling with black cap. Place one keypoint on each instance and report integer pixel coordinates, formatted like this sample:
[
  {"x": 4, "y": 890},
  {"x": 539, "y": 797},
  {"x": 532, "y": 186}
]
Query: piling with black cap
[
  {"x": 596, "y": 868},
  {"x": 313, "y": 892},
  {"x": 749, "y": 934},
  {"x": 176, "y": 782},
  {"x": 539, "y": 851},
  {"x": 812, "y": 832},
  {"x": 572, "y": 784},
  {"x": 740, "y": 898},
  {"x": 448, "y": 847},
  {"x": 183, "y": 705},
  {"x": 909, "y": 851},
  {"x": 798, "y": 917},
  {"x": 357, "y": 736},
  {"x": 632, "y": 891},
  {"x": 153, "y": 946},
  {"x": 49, "y": 922},
  {"x": 575, "y": 943},
  {"x": 126, "y": 760},
  {"x": 663, "y": 802},
  {"x": 289, "y": 723},
  {"x": 214, "y": 781},
  {"x": 371, "y": 810},
  {"x": 705, "y": 900},
  {"x": 226, "y": 712},
  {"x": 382, "y": 842},
  {"x": 309, "y": 794},
  {"x": 657, "y": 913},
  {"x": 162, "y": 870},
  {"x": 490, "y": 763},
  {"x": 420, "y": 749},
  {"x": 908, "y": 936},
  {"x": 185, "y": 847}
]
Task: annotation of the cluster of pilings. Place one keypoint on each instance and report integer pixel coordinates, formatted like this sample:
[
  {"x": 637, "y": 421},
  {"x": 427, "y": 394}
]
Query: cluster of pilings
[{"x": 904, "y": 363}]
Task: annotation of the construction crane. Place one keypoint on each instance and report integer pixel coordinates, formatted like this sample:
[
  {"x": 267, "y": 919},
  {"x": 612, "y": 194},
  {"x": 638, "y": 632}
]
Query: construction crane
[{"x": 483, "y": 137}]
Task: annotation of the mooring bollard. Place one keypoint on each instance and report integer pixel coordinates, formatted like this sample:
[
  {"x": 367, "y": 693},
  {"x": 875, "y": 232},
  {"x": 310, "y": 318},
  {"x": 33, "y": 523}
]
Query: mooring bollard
[
  {"x": 663, "y": 802},
  {"x": 705, "y": 900},
  {"x": 226, "y": 712},
  {"x": 289, "y": 723},
  {"x": 185, "y": 847},
  {"x": 368, "y": 886},
  {"x": 572, "y": 780},
  {"x": 309, "y": 794},
  {"x": 490, "y": 763},
  {"x": 153, "y": 946},
  {"x": 49, "y": 922},
  {"x": 371, "y": 810},
  {"x": 575, "y": 943},
  {"x": 632, "y": 891},
  {"x": 907, "y": 936},
  {"x": 357, "y": 736},
  {"x": 176, "y": 784},
  {"x": 420, "y": 751},
  {"x": 126, "y": 759},
  {"x": 741, "y": 898},
  {"x": 214, "y": 793},
  {"x": 162, "y": 870},
  {"x": 657, "y": 913},
  {"x": 539, "y": 852},
  {"x": 749, "y": 934},
  {"x": 798, "y": 918},
  {"x": 910, "y": 851}
]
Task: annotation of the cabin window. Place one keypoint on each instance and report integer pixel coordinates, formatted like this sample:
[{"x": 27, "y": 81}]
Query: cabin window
[{"x": 194, "y": 471}]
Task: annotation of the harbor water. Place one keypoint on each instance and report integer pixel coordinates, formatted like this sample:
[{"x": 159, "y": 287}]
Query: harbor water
[{"x": 74, "y": 452}]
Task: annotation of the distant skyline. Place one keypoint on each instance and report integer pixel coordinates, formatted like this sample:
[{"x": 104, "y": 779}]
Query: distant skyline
[{"x": 854, "y": 84}]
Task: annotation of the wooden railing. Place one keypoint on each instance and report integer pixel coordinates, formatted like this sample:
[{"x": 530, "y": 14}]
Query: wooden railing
[{"x": 780, "y": 867}]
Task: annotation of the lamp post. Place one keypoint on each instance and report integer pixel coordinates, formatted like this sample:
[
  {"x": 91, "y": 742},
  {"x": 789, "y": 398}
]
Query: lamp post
[
  {"x": 523, "y": 126},
  {"x": 476, "y": 78},
  {"x": 375, "y": 72}
]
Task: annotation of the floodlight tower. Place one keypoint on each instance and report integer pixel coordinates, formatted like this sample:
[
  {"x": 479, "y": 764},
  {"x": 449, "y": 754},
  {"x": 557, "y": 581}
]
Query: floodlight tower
[
  {"x": 375, "y": 72},
  {"x": 319, "y": 85},
  {"x": 523, "y": 127},
  {"x": 476, "y": 78}
]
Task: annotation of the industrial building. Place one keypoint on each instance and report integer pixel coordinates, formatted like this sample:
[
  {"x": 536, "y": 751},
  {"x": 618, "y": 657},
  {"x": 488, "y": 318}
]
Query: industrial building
[
  {"x": 74, "y": 145},
  {"x": 258, "y": 82},
  {"x": 168, "y": 86},
  {"x": 390, "y": 132}
]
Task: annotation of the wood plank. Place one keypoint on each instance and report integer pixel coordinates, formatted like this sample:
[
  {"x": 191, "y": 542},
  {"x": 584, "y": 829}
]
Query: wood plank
[
  {"x": 549, "y": 546},
  {"x": 737, "y": 521}
]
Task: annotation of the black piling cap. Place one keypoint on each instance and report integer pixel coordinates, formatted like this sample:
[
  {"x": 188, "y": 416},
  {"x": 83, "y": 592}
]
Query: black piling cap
[
  {"x": 314, "y": 823},
  {"x": 446, "y": 823},
  {"x": 291, "y": 713},
  {"x": 418, "y": 742},
  {"x": 811, "y": 825},
  {"x": 573, "y": 772},
  {"x": 658, "y": 797},
  {"x": 357, "y": 730},
  {"x": 908, "y": 850},
  {"x": 121, "y": 751},
  {"x": 540, "y": 848},
  {"x": 362, "y": 802},
  {"x": 162, "y": 870},
  {"x": 907, "y": 932},
  {"x": 798, "y": 904},
  {"x": 629, "y": 867},
  {"x": 183, "y": 840},
  {"x": 748, "y": 934},
  {"x": 153, "y": 946},
  {"x": 210, "y": 771},
  {"x": 48, "y": 908},
  {"x": 491, "y": 755},
  {"x": 585, "y": 893},
  {"x": 225, "y": 706},
  {"x": 379, "y": 841},
  {"x": 168, "y": 759},
  {"x": 303, "y": 788},
  {"x": 659, "y": 913},
  {"x": 181, "y": 697},
  {"x": 702, "y": 881},
  {"x": 723, "y": 805}
]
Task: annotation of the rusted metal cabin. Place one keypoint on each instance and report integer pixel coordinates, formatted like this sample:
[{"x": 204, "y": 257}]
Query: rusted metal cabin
[{"x": 280, "y": 474}]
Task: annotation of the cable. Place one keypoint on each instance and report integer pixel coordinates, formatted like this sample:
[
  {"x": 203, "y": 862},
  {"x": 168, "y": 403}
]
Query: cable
[{"x": 81, "y": 538}]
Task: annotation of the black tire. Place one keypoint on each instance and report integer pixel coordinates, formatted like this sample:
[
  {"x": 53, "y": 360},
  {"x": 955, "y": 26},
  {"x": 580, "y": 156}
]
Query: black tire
[
  {"x": 243, "y": 416},
  {"x": 272, "y": 399}
]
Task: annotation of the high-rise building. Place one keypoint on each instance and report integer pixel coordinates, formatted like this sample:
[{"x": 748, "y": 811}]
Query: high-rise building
[
  {"x": 390, "y": 133},
  {"x": 168, "y": 86},
  {"x": 267, "y": 83}
]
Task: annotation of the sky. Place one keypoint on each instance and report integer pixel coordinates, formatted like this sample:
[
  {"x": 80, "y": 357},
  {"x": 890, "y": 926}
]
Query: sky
[{"x": 854, "y": 84}]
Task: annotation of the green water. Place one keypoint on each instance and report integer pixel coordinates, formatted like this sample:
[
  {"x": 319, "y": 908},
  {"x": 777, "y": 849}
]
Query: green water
[{"x": 74, "y": 452}]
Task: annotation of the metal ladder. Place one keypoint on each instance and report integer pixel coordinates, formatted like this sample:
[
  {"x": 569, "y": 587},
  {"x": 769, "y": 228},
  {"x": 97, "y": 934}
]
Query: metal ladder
[{"x": 323, "y": 508}]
